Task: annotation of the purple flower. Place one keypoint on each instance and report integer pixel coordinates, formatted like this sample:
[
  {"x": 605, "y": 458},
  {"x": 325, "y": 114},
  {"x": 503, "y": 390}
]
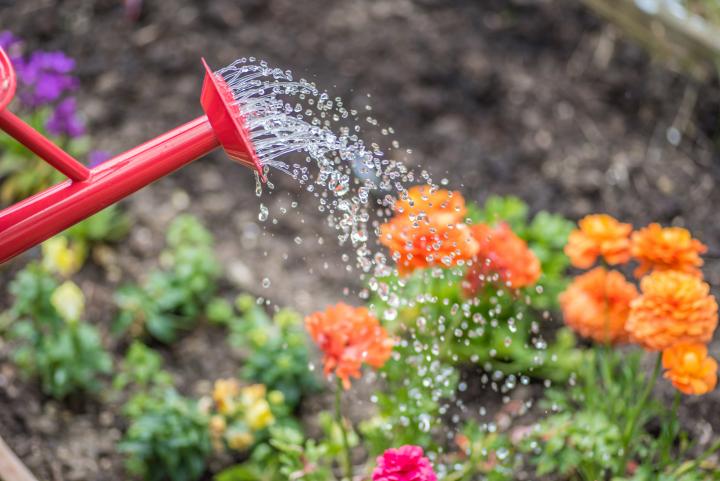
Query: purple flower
[
  {"x": 64, "y": 120},
  {"x": 45, "y": 77},
  {"x": 11, "y": 44},
  {"x": 97, "y": 157}
]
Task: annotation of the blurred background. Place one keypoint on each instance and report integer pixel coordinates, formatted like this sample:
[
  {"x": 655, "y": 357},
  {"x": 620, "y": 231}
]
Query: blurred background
[
  {"x": 543, "y": 99},
  {"x": 575, "y": 107}
]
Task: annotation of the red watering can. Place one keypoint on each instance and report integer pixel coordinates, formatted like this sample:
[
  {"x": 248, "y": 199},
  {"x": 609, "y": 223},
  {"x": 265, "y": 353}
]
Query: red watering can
[{"x": 88, "y": 191}]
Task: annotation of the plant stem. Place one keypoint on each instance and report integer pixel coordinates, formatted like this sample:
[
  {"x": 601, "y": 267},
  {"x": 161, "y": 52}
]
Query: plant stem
[
  {"x": 347, "y": 459},
  {"x": 635, "y": 413},
  {"x": 686, "y": 468}
]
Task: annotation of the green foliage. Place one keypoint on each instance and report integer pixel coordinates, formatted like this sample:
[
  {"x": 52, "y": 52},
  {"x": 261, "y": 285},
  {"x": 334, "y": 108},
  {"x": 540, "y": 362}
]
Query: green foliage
[
  {"x": 585, "y": 441},
  {"x": 417, "y": 383},
  {"x": 167, "y": 440},
  {"x": 51, "y": 341},
  {"x": 142, "y": 368},
  {"x": 488, "y": 453},
  {"x": 279, "y": 351},
  {"x": 171, "y": 300},
  {"x": 590, "y": 432},
  {"x": 289, "y": 455}
]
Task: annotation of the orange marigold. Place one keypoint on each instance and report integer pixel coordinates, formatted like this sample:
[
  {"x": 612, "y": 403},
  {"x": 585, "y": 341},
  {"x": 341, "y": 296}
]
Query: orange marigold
[
  {"x": 425, "y": 243},
  {"x": 690, "y": 369},
  {"x": 349, "y": 336},
  {"x": 503, "y": 253},
  {"x": 599, "y": 235},
  {"x": 597, "y": 303},
  {"x": 674, "y": 308},
  {"x": 667, "y": 248},
  {"x": 422, "y": 201}
]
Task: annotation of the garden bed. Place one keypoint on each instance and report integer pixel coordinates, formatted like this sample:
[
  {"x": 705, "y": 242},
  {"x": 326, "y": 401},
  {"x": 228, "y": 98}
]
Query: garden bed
[{"x": 537, "y": 99}]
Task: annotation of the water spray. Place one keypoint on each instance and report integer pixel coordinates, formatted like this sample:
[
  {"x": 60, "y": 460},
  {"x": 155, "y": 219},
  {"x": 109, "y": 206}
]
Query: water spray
[{"x": 89, "y": 190}]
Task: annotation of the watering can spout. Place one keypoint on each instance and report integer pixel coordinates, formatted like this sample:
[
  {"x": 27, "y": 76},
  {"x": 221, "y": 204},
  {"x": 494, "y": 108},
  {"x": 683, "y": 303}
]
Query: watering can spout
[
  {"x": 88, "y": 191},
  {"x": 228, "y": 121}
]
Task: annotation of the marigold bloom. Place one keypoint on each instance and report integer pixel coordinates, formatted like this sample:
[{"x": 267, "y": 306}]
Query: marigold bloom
[
  {"x": 674, "y": 308},
  {"x": 406, "y": 463},
  {"x": 503, "y": 253},
  {"x": 422, "y": 201},
  {"x": 420, "y": 244},
  {"x": 596, "y": 305},
  {"x": 690, "y": 369},
  {"x": 667, "y": 248},
  {"x": 599, "y": 235},
  {"x": 349, "y": 336}
]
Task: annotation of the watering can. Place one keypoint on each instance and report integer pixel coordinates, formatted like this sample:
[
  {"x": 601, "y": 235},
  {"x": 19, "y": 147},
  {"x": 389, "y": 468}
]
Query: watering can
[{"x": 87, "y": 191}]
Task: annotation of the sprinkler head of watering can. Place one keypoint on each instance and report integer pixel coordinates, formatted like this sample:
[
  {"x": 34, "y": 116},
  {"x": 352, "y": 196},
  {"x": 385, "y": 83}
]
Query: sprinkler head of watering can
[
  {"x": 7, "y": 80},
  {"x": 227, "y": 121}
]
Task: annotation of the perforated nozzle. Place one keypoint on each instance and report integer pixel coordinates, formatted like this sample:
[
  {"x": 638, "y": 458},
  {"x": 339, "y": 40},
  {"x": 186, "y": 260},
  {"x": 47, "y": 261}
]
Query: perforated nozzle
[{"x": 227, "y": 121}]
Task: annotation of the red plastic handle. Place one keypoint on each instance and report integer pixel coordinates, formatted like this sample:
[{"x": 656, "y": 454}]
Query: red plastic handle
[{"x": 7, "y": 80}]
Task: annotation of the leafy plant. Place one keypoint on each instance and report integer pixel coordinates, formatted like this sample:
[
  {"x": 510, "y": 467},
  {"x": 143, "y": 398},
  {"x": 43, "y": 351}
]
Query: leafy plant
[
  {"x": 171, "y": 300},
  {"x": 288, "y": 454},
  {"x": 497, "y": 328},
  {"x": 167, "y": 440},
  {"x": 280, "y": 355},
  {"x": 52, "y": 343}
]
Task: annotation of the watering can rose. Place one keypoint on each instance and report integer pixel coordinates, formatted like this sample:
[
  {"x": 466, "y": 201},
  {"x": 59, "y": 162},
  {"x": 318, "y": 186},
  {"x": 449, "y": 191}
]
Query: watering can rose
[{"x": 349, "y": 336}]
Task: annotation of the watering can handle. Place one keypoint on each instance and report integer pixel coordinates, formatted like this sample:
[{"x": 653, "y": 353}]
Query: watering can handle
[
  {"x": 7, "y": 80},
  {"x": 29, "y": 137}
]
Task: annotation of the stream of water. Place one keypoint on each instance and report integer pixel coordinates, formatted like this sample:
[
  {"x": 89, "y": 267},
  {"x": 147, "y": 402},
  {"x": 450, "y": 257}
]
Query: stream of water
[{"x": 356, "y": 184}]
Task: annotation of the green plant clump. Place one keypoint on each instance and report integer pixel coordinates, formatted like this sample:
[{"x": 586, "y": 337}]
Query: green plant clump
[
  {"x": 279, "y": 355},
  {"x": 167, "y": 440},
  {"x": 172, "y": 299},
  {"x": 52, "y": 342}
]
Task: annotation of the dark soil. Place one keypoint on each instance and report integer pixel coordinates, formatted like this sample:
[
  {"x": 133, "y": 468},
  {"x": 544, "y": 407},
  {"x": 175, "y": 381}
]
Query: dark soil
[{"x": 536, "y": 98}]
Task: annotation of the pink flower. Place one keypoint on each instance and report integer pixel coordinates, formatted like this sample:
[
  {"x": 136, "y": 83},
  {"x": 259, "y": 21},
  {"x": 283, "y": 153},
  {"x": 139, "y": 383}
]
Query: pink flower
[{"x": 406, "y": 463}]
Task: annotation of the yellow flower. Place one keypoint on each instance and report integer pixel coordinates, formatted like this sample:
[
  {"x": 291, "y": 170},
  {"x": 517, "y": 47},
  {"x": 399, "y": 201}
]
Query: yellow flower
[
  {"x": 258, "y": 415},
  {"x": 240, "y": 440},
  {"x": 69, "y": 301},
  {"x": 252, "y": 394},
  {"x": 217, "y": 425},
  {"x": 62, "y": 258},
  {"x": 224, "y": 393}
]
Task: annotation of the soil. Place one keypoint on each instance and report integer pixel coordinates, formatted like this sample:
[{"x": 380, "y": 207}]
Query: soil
[{"x": 536, "y": 98}]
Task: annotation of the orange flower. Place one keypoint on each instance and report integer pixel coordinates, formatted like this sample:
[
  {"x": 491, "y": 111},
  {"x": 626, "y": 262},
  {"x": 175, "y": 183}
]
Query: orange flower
[
  {"x": 690, "y": 369},
  {"x": 599, "y": 235},
  {"x": 503, "y": 253},
  {"x": 422, "y": 201},
  {"x": 674, "y": 308},
  {"x": 425, "y": 243},
  {"x": 349, "y": 336},
  {"x": 597, "y": 304},
  {"x": 668, "y": 248}
]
